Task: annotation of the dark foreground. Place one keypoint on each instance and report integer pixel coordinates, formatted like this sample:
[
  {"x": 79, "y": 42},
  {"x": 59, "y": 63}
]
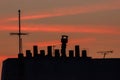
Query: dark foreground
[{"x": 49, "y": 68}]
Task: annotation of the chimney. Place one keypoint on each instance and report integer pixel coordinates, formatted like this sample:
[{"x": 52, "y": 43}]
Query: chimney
[
  {"x": 49, "y": 51},
  {"x": 84, "y": 53},
  {"x": 77, "y": 51},
  {"x": 57, "y": 53},
  {"x": 20, "y": 56},
  {"x": 35, "y": 51},
  {"x": 42, "y": 53},
  {"x": 71, "y": 53},
  {"x": 28, "y": 54},
  {"x": 64, "y": 41}
]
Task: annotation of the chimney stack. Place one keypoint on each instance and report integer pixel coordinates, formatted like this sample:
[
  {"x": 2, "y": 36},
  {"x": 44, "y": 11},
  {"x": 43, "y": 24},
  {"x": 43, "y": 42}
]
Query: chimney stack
[
  {"x": 71, "y": 53},
  {"x": 84, "y": 53},
  {"x": 49, "y": 51},
  {"x": 28, "y": 54},
  {"x": 57, "y": 53},
  {"x": 77, "y": 51},
  {"x": 64, "y": 41},
  {"x": 20, "y": 56},
  {"x": 42, "y": 53},
  {"x": 35, "y": 51}
]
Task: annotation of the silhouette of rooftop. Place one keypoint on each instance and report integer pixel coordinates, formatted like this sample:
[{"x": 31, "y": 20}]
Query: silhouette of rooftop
[{"x": 78, "y": 66}]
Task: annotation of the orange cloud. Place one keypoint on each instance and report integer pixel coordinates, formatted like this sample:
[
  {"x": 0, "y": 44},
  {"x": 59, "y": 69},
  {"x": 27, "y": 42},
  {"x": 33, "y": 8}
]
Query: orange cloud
[
  {"x": 58, "y": 43},
  {"x": 73, "y": 29},
  {"x": 65, "y": 28},
  {"x": 8, "y": 28},
  {"x": 72, "y": 11}
]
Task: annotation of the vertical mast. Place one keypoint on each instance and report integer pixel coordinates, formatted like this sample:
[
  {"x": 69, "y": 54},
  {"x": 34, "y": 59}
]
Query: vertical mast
[{"x": 19, "y": 33}]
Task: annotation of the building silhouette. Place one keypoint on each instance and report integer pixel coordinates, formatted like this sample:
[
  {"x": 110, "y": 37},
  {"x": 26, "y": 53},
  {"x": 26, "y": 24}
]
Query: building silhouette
[{"x": 78, "y": 66}]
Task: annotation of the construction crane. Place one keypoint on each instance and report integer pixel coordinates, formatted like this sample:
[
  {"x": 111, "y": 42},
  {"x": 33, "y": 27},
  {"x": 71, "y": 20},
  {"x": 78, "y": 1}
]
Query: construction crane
[{"x": 105, "y": 53}]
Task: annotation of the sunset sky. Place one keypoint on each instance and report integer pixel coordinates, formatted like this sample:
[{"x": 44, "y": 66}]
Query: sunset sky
[{"x": 92, "y": 24}]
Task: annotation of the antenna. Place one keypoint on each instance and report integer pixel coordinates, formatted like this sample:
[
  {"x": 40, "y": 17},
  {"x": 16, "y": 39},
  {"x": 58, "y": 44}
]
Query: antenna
[
  {"x": 105, "y": 53},
  {"x": 19, "y": 34}
]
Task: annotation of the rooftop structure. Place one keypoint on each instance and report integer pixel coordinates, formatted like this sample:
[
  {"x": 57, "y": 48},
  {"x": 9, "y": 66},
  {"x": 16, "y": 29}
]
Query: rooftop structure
[{"x": 78, "y": 66}]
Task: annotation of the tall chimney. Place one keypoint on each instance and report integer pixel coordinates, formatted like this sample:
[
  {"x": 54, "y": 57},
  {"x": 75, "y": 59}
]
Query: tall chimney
[
  {"x": 77, "y": 51},
  {"x": 64, "y": 41},
  {"x": 35, "y": 51}
]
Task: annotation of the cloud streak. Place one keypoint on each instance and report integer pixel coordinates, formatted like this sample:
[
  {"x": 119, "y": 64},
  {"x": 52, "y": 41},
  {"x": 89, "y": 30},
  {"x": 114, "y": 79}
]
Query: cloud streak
[
  {"x": 72, "y": 11},
  {"x": 65, "y": 28},
  {"x": 58, "y": 43}
]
